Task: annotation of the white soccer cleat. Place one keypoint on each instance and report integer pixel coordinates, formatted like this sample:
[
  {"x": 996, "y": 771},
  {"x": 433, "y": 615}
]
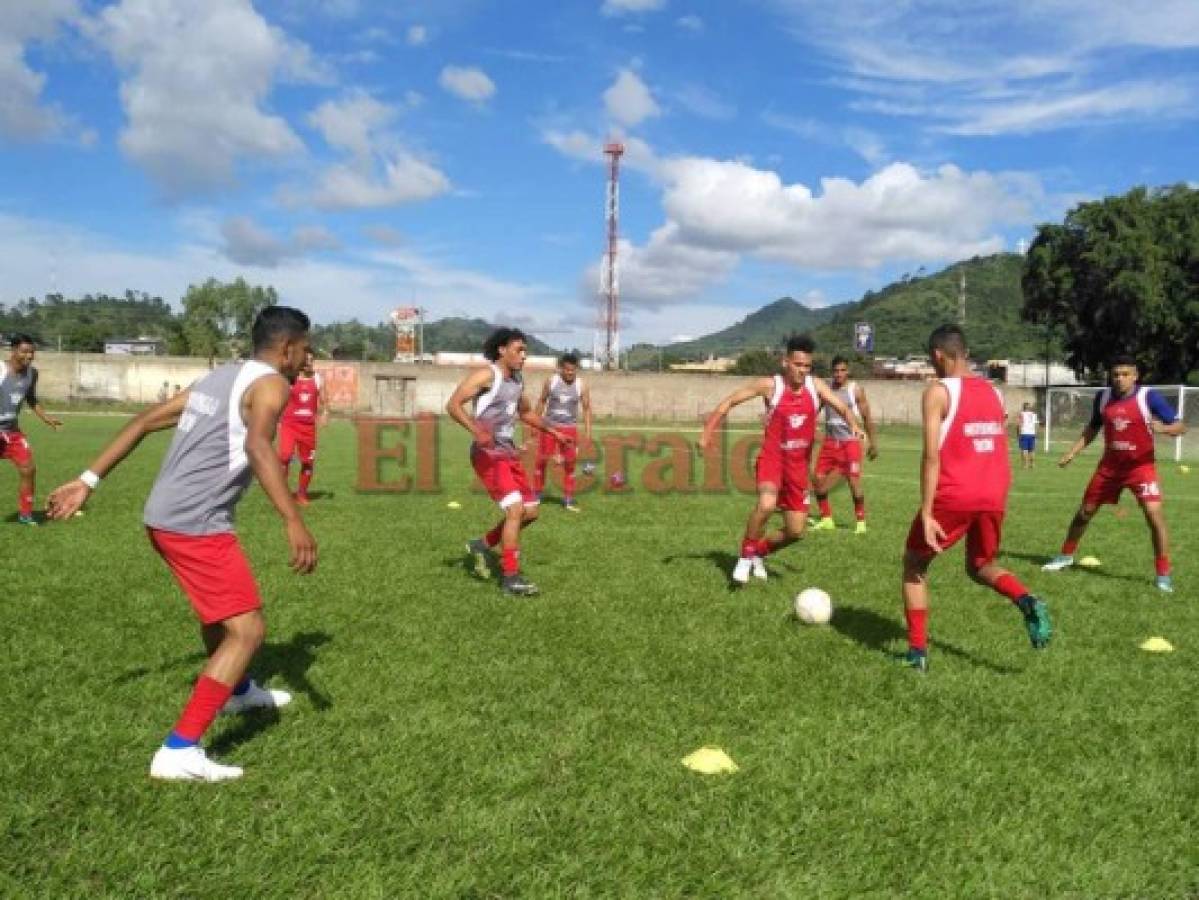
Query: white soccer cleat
[
  {"x": 759, "y": 568},
  {"x": 189, "y": 764},
  {"x": 255, "y": 697},
  {"x": 742, "y": 569},
  {"x": 1059, "y": 562}
]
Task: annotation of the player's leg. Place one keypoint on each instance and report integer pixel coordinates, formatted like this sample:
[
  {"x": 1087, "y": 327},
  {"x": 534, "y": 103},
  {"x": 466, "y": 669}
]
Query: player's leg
[
  {"x": 982, "y": 546},
  {"x": 1161, "y": 543},
  {"x": 569, "y": 453},
  {"x": 827, "y": 475},
  {"x": 1078, "y": 527},
  {"x": 521, "y": 509},
  {"x": 26, "y": 487},
  {"x": 755, "y": 528},
  {"x": 306, "y": 451},
  {"x": 287, "y": 449},
  {"x": 859, "y": 502},
  {"x": 914, "y": 590}
]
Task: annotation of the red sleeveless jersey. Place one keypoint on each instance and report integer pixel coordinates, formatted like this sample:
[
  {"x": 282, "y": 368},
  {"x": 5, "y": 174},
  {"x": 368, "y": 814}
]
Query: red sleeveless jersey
[
  {"x": 1127, "y": 435},
  {"x": 303, "y": 402},
  {"x": 975, "y": 472},
  {"x": 791, "y": 418}
]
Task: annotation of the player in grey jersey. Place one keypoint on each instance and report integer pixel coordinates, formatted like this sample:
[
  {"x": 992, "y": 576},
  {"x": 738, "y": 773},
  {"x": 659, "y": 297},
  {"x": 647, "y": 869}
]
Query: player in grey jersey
[
  {"x": 564, "y": 400},
  {"x": 841, "y": 453},
  {"x": 224, "y": 430},
  {"x": 498, "y": 395},
  {"x": 17, "y": 387}
]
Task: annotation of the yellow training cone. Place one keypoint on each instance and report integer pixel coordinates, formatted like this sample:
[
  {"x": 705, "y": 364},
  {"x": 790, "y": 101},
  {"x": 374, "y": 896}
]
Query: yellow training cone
[
  {"x": 454, "y": 504},
  {"x": 710, "y": 761},
  {"x": 1089, "y": 562},
  {"x": 1158, "y": 645},
  {"x": 1185, "y": 470}
]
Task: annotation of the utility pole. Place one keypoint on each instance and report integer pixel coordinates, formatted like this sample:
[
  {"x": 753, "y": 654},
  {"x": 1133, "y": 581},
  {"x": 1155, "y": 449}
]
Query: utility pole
[{"x": 610, "y": 287}]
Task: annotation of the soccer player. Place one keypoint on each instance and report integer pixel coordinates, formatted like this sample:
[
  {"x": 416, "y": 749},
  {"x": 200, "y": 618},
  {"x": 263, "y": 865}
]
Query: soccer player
[
  {"x": 562, "y": 397},
  {"x": 964, "y": 480},
  {"x": 19, "y": 386},
  {"x": 1129, "y": 415},
  {"x": 498, "y": 395},
  {"x": 307, "y": 408},
  {"x": 793, "y": 400},
  {"x": 224, "y": 427},
  {"x": 841, "y": 453},
  {"x": 1028, "y": 436}
]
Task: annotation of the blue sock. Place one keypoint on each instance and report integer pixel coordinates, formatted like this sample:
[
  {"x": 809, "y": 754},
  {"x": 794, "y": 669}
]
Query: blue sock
[
  {"x": 174, "y": 742},
  {"x": 242, "y": 686}
]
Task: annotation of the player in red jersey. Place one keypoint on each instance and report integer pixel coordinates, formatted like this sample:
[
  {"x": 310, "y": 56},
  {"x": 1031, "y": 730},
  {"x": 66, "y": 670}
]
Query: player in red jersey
[
  {"x": 1129, "y": 415},
  {"x": 964, "y": 480},
  {"x": 18, "y": 385},
  {"x": 793, "y": 400},
  {"x": 307, "y": 409},
  {"x": 841, "y": 452}
]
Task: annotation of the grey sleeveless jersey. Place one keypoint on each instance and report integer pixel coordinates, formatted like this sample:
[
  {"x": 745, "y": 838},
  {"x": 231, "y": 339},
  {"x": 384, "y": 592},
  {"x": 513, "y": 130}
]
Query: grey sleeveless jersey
[
  {"x": 14, "y": 391},
  {"x": 835, "y": 426},
  {"x": 496, "y": 410},
  {"x": 206, "y": 469},
  {"x": 562, "y": 407}
]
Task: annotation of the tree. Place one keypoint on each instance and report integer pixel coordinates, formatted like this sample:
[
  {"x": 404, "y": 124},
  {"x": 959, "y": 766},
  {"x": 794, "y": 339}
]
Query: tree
[
  {"x": 1121, "y": 275},
  {"x": 756, "y": 362},
  {"x": 217, "y": 317}
]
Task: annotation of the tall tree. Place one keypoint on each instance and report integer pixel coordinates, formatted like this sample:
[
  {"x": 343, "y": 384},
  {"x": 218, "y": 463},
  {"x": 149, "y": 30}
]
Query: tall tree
[
  {"x": 217, "y": 317},
  {"x": 1121, "y": 275}
]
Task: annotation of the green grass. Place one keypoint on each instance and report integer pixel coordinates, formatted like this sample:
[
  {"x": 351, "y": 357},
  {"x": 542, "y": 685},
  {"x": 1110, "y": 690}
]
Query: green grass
[{"x": 446, "y": 741}]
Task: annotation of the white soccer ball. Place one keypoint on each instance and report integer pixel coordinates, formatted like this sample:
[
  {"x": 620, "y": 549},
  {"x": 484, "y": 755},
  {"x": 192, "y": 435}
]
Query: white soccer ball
[{"x": 813, "y": 607}]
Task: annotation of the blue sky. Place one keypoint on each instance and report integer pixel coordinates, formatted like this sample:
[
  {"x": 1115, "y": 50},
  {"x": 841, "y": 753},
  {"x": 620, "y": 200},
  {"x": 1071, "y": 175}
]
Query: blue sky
[{"x": 361, "y": 154}]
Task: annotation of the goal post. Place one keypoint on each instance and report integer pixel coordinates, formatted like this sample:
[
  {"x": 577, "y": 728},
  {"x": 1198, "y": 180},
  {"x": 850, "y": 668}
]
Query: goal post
[{"x": 1068, "y": 410}]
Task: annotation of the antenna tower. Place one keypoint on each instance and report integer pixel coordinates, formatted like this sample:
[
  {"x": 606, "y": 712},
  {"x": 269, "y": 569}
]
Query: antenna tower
[{"x": 609, "y": 317}]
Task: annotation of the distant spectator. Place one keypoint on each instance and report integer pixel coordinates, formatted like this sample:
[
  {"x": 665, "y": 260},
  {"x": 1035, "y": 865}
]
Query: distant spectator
[{"x": 164, "y": 392}]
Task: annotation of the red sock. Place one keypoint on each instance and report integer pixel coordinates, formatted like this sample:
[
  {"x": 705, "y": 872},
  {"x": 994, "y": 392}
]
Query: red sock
[
  {"x": 917, "y": 628},
  {"x": 1068, "y": 547},
  {"x": 493, "y": 537},
  {"x": 762, "y": 548},
  {"x": 510, "y": 561},
  {"x": 539, "y": 482},
  {"x": 1163, "y": 565},
  {"x": 1009, "y": 585},
  {"x": 305, "y": 479},
  {"x": 826, "y": 510},
  {"x": 859, "y": 509},
  {"x": 568, "y": 480},
  {"x": 207, "y": 698},
  {"x": 749, "y": 547},
  {"x": 25, "y": 503}
]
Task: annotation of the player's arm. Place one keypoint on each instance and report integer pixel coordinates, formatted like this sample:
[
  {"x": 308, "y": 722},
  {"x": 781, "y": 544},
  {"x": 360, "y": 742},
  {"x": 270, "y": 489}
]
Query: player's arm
[
  {"x": 36, "y": 406},
  {"x": 1088, "y": 434},
  {"x": 867, "y": 421},
  {"x": 543, "y": 399},
  {"x": 1163, "y": 418},
  {"x": 65, "y": 500},
  {"x": 933, "y": 408},
  {"x": 759, "y": 387},
  {"x": 585, "y": 402},
  {"x": 261, "y": 407},
  {"x": 828, "y": 398},
  {"x": 469, "y": 388},
  {"x": 534, "y": 420}
]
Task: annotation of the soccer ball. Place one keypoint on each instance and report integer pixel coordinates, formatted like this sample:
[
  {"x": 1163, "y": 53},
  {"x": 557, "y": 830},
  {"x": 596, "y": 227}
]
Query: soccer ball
[
  {"x": 588, "y": 468},
  {"x": 813, "y": 607}
]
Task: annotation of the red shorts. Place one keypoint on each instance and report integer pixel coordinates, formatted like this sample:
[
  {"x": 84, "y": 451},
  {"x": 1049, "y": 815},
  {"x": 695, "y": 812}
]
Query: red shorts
[
  {"x": 14, "y": 446},
  {"x": 212, "y": 570},
  {"x": 1106, "y": 485},
  {"x": 840, "y": 456},
  {"x": 549, "y": 446},
  {"x": 983, "y": 531},
  {"x": 299, "y": 441},
  {"x": 788, "y": 475},
  {"x": 503, "y": 477}
]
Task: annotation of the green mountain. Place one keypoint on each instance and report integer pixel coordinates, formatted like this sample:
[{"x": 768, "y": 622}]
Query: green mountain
[
  {"x": 759, "y": 330},
  {"x": 467, "y": 335}
]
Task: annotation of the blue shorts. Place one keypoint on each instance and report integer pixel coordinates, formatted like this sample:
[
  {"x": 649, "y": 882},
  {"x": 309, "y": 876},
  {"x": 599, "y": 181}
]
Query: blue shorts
[{"x": 1028, "y": 442}]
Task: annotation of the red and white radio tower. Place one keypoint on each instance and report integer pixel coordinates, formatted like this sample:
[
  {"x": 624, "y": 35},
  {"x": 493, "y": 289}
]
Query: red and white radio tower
[{"x": 609, "y": 317}]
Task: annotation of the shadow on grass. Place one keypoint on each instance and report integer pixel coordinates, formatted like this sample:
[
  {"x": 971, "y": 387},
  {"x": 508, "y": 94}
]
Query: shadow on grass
[
  {"x": 38, "y": 516},
  {"x": 880, "y": 634},
  {"x": 1039, "y": 559},
  {"x": 466, "y": 562},
  {"x": 724, "y": 562},
  {"x": 321, "y": 495}
]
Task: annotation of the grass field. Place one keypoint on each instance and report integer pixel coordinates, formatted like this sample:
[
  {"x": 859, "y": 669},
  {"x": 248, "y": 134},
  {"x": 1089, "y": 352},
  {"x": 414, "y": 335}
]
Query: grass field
[{"x": 446, "y": 741}]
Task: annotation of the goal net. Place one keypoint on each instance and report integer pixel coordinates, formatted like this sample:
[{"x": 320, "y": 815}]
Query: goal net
[{"x": 1068, "y": 410}]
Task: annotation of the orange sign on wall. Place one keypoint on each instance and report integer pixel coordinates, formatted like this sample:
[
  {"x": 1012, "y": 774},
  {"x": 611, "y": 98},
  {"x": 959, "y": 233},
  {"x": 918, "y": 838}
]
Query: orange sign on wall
[{"x": 341, "y": 386}]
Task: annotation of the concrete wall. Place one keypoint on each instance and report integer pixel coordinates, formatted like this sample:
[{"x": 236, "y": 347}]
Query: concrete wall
[{"x": 397, "y": 389}]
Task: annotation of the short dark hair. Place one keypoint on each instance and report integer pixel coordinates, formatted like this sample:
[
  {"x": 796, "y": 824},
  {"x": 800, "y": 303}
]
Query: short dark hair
[
  {"x": 800, "y": 343},
  {"x": 499, "y": 339},
  {"x": 1122, "y": 359},
  {"x": 949, "y": 339},
  {"x": 838, "y": 360},
  {"x": 18, "y": 338},
  {"x": 277, "y": 323},
  {"x": 571, "y": 359}
]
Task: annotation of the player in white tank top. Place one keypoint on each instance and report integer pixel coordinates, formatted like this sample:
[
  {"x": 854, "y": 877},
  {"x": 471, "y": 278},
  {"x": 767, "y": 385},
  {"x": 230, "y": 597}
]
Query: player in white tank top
[{"x": 840, "y": 456}]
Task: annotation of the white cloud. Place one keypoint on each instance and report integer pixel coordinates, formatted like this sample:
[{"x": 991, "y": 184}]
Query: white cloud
[
  {"x": 621, "y": 7},
  {"x": 691, "y": 23},
  {"x": 404, "y": 179},
  {"x": 23, "y": 116},
  {"x": 589, "y": 148},
  {"x": 705, "y": 103},
  {"x": 249, "y": 244},
  {"x": 467, "y": 83},
  {"x": 196, "y": 75},
  {"x": 416, "y": 35},
  {"x": 352, "y": 122},
  {"x": 862, "y": 141},
  {"x": 629, "y": 101}
]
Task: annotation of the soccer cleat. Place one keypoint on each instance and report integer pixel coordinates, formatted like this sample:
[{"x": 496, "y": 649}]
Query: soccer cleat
[
  {"x": 255, "y": 697},
  {"x": 916, "y": 659},
  {"x": 758, "y": 568},
  {"x": 570, "y": 506},
  {"x": 27, "y": 520},
  {"x": 742, "y": 569},
  {"x": 518, "y": 586},
  {"x": 480, "y": 556},
  {"x": 860, "y": 528},
  {"x": 1165, "y": 584},
  {"x": 1036, "y": 620},
  {"x": 1059, "y": 562},
  {"x": 302, "y": 499},
  {"x": 189, "y": 764},
  {"x": 825, "y": 524}
]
